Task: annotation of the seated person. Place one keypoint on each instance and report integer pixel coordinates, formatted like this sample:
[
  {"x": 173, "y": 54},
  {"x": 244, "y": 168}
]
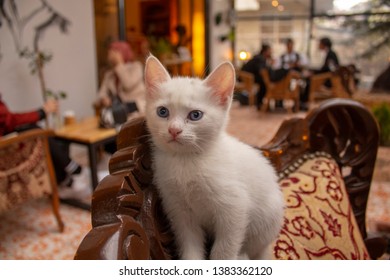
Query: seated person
[
  {"x": 259, "y": 62},
  {"x": 331, "y": 64},
  {"x": 70, "y": 177},
  {"x": 122, "y": 83},
  {"x": 291, "y": 60},
  {"x": 124, "y": 79}
]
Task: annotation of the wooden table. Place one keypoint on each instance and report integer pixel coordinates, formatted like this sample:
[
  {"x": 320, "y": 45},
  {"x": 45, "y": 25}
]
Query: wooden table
[{"x": 88, "y": 133}]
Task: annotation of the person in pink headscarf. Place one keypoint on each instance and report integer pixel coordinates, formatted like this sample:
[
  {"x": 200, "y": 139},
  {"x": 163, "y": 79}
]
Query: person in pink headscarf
[{"x": 124, "y": 78}]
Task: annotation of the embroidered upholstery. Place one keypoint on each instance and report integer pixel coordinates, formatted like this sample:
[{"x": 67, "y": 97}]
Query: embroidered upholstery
[{"x": 318, "y": 222}]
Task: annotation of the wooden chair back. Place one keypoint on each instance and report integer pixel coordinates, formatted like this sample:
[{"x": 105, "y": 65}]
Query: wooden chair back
[
  {"x": 246, "y": 82},
  {"x": 340, "y": 85},
  {"x": 281, "y": 90}
]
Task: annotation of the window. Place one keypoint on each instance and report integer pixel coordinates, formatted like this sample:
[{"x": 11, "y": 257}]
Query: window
[{"x": 349, "y": 24}]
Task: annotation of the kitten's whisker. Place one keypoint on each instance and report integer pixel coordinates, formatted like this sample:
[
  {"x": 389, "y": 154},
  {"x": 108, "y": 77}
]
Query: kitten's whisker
[{"x": 205, "y": 71}]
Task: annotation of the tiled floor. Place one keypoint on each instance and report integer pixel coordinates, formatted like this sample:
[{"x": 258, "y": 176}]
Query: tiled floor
[{"x": 256, "y": 128}]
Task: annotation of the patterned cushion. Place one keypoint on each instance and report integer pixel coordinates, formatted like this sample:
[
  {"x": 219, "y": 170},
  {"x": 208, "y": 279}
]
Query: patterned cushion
[
  {"x": 23, "y": 173},
  {"x": 319, "y": 222}
]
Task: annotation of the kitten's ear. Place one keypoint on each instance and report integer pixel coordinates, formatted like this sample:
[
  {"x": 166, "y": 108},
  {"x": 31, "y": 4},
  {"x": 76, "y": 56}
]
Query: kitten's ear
[
  {"x": 155, "y": 74},
  {"x": 221, "y": 81}
]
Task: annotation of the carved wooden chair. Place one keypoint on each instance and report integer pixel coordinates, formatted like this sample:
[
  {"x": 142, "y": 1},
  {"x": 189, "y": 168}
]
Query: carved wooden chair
[
  {"x": 281, "y": 90},
  {"x": 246, "y": 83},
  {"x": 26, "y": 171},
  {"x": 341, "y": 85},
  {"x": 129, "y": 223},
  {"x": 348, "y": 78}
]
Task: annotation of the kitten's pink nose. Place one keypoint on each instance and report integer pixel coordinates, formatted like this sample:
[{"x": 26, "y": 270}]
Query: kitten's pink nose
[{"x": 174, "y": 131}]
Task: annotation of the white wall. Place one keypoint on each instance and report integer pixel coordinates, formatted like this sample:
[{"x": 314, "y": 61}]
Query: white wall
[
  {"x": 219, "y": 51},
  {"x": 72, "y": 69}
]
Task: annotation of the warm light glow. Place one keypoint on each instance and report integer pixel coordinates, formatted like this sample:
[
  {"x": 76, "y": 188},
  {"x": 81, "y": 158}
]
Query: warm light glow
[
  {"x": 275, "y": 3},
  {"x": 198, "y": 46},
  {"x": 243, "y": 55},
  {"x": 281, "y": 8}
]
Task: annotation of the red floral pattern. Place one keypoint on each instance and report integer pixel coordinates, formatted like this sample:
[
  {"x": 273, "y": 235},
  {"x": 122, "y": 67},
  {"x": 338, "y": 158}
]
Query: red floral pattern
[
  {"x": 303, "y": 227},
  {"x": 333, "y": 225},
  {"x": 284, "y": 250},
  {"x": 319, "y": 223}
]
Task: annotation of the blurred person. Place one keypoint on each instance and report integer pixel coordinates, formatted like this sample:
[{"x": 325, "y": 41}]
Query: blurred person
[
  {"x": 291, "y": 59},
  {"x": 256, "y": 64},
  {"x": 330, "y": 64},
  {"x": 122, "y": 84},
  {"x": 124, "y": 79},
  {"x": 69, "y": 174}
]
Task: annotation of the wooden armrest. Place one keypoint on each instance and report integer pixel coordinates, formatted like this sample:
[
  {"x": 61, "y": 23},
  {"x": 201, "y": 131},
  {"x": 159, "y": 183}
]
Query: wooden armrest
[
  {"x": 321, "y": 76},
  {"x": 22, "y": 136}
]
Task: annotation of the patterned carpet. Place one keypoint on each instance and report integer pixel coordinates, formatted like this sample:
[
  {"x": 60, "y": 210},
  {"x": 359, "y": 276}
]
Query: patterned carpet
[{"x": 30, "y": 232}]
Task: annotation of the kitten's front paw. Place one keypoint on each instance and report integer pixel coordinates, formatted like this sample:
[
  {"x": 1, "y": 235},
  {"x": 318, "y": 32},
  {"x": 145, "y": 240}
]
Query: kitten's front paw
[
  {"x": 192, "y": 255},
  {"x": 222, "y": 254}
]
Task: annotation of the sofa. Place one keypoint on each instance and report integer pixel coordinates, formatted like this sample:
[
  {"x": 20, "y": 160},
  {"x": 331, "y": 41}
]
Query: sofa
[{"x": 325, "y": 163}]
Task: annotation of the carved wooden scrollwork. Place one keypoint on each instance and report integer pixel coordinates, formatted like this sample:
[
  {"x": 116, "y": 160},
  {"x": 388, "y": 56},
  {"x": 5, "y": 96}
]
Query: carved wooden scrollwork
[{"x": 127, "y": 219}]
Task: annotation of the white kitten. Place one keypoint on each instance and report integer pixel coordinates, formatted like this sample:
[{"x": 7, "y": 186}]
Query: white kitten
[{"x": 210, "y": 183}]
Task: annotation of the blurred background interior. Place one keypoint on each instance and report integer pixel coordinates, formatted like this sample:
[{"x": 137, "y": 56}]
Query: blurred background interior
[{"x": 203, "y": 32}]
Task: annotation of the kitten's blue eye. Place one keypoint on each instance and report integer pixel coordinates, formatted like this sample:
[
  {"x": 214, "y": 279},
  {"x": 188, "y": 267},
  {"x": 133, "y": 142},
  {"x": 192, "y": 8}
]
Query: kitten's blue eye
[
  {"x": 195, "y": 115},
  {"x": 162, "y": 112}
]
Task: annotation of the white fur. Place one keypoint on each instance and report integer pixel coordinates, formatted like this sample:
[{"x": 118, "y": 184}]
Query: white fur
[{"x": 210, "y": 183}]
